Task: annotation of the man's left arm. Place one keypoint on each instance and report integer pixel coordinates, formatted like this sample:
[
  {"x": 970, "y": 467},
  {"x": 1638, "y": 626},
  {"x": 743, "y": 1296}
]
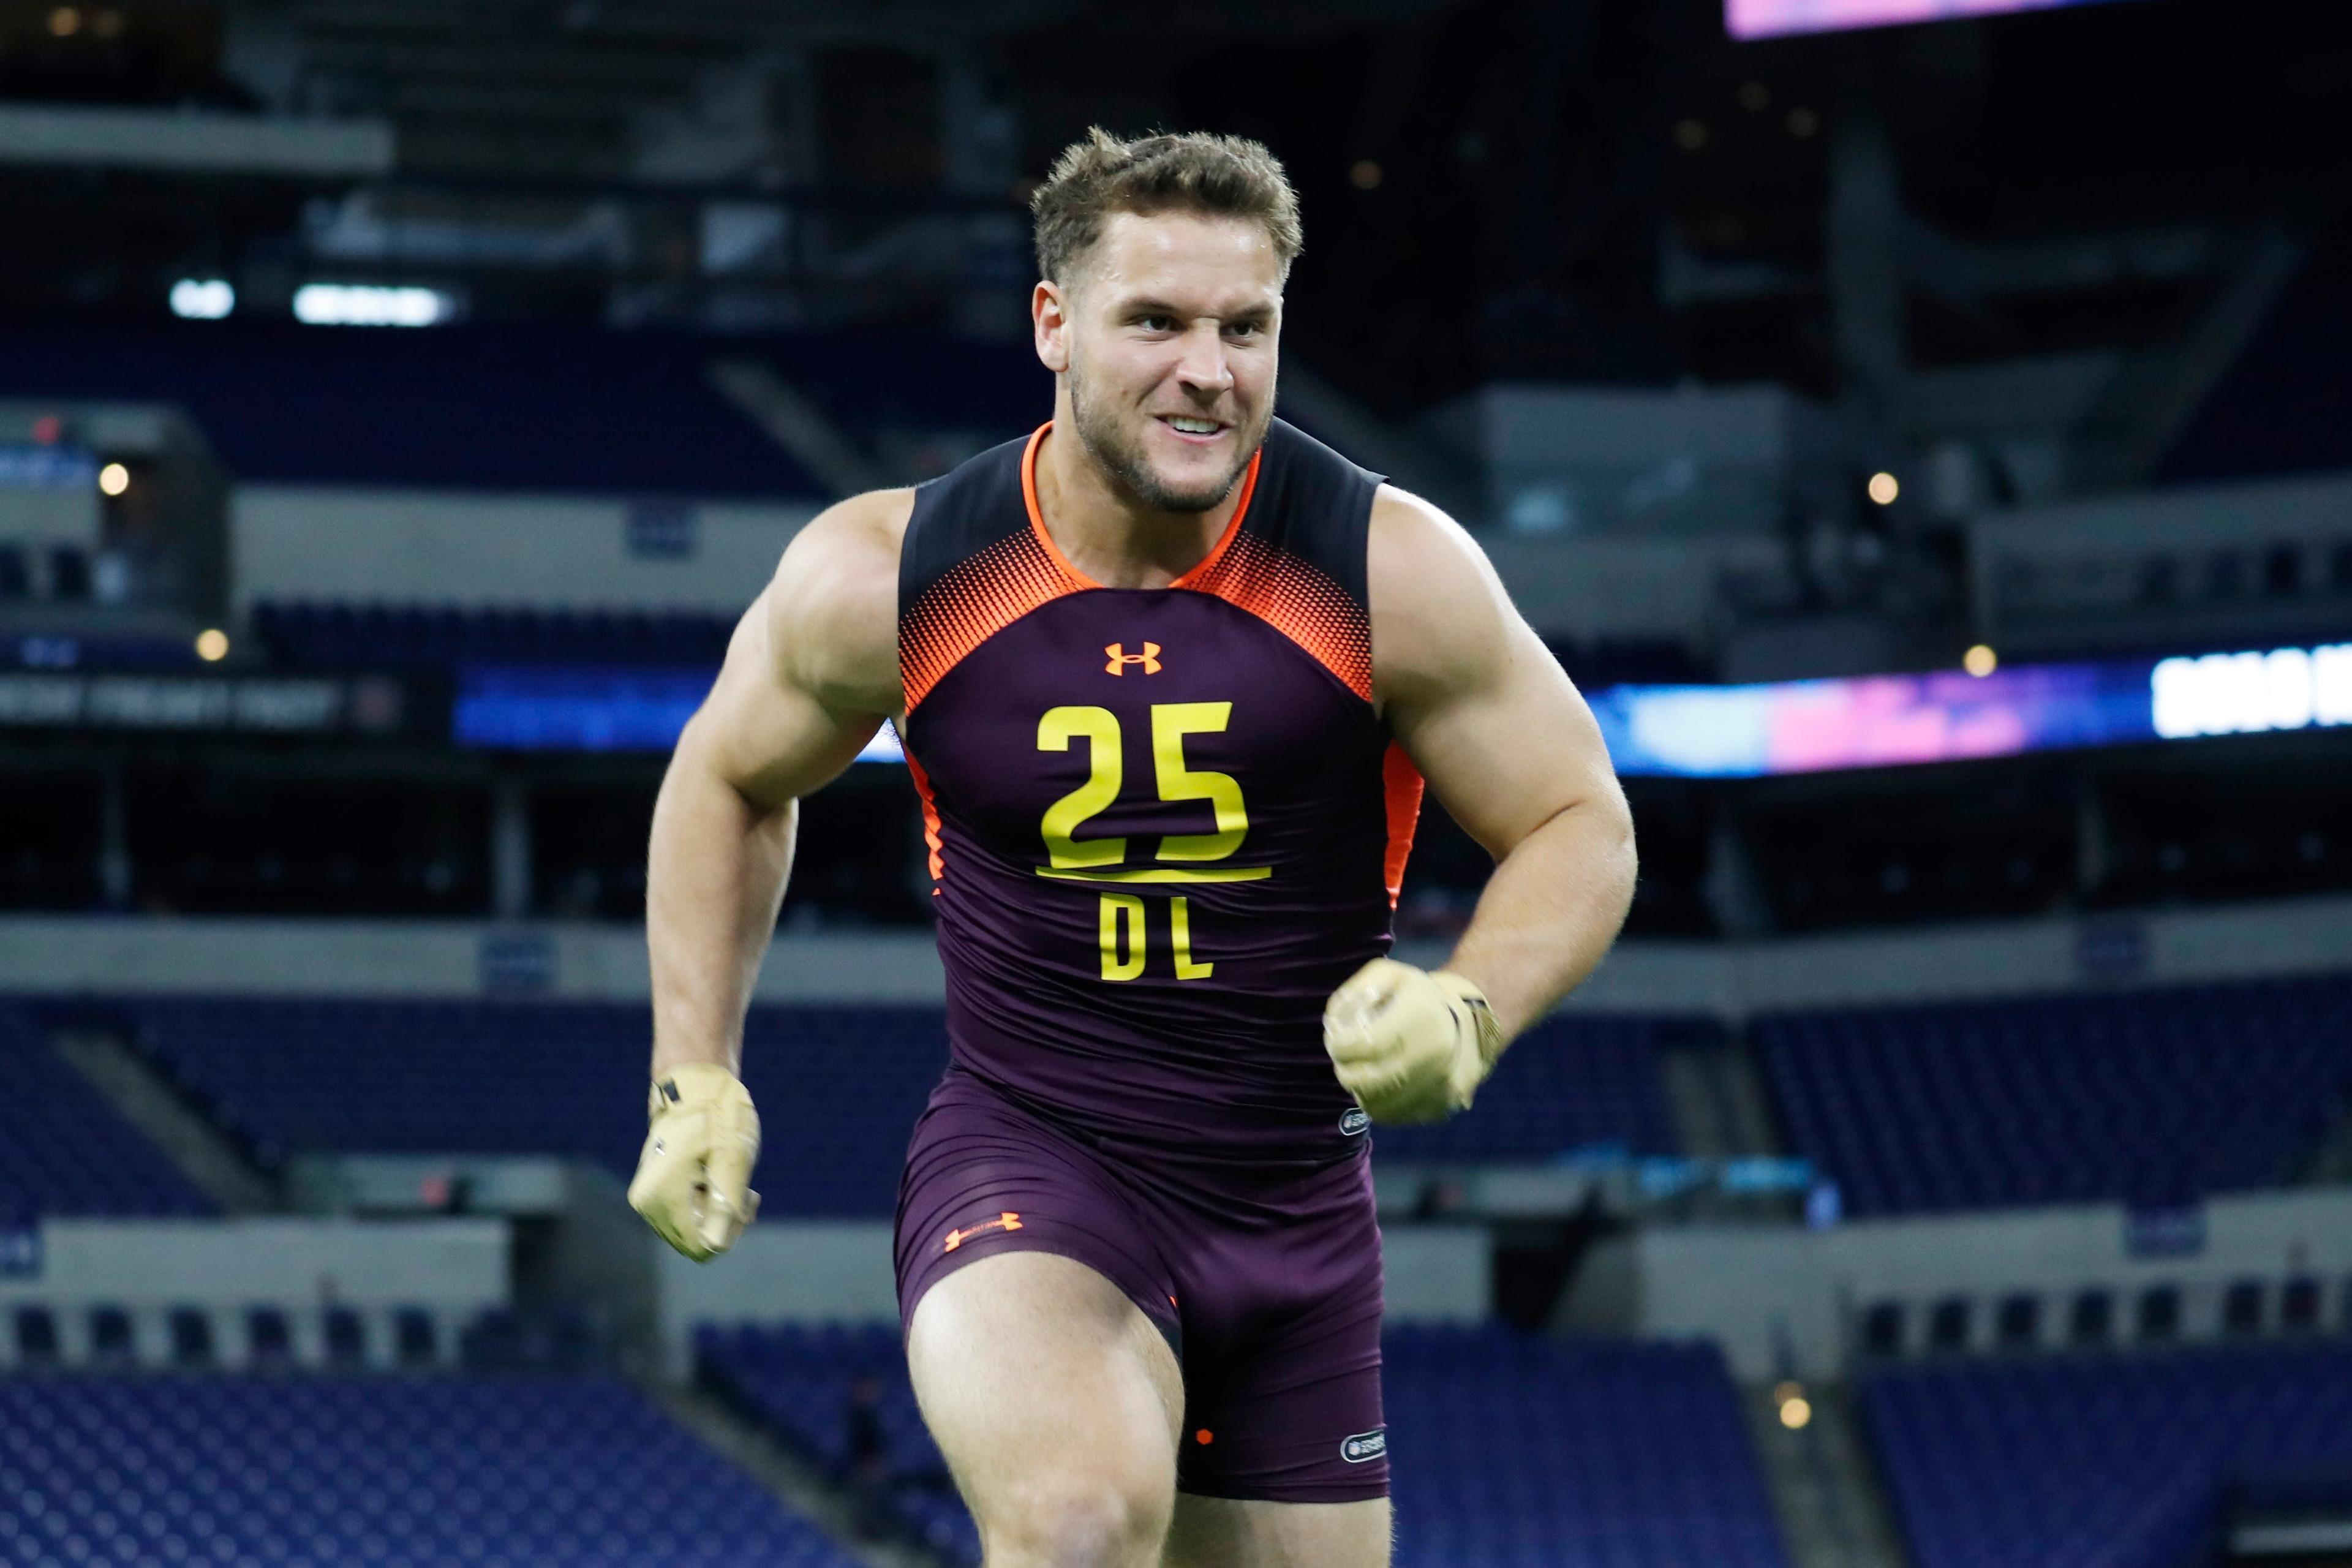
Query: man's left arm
[{"x": 1512, "y": 753}]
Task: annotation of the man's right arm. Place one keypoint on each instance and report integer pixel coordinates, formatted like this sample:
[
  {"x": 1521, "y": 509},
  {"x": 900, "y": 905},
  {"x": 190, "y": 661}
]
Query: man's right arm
[{"x": 811, "y": 673}]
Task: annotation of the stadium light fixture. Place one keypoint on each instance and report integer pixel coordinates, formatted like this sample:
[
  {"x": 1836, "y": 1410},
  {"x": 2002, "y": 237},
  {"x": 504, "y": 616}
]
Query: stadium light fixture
[
  {"x": 212, "y": 645},
  {"x": 1884, "y": 488},
  {"x": 203, "y": 298},
  {"x": 1981, "y": 661},
  {"x": 113, "y": 480},
  {"x": 371, "y": 305},
  {"x": 1796, "y": 1411}
]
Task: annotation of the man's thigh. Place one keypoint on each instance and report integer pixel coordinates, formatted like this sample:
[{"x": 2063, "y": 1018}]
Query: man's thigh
[
  {"x": 1222, "y": 1532},
  {"x": 1055, "y": 1403}
]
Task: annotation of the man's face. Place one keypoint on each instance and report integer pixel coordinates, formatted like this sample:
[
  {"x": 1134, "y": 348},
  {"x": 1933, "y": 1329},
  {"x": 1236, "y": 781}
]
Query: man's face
[{"x": 1169, "y": 336}]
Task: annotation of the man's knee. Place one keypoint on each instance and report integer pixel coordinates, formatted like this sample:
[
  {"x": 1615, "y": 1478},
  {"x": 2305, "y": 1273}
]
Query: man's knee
[{"x": 1110, "y": 1518}]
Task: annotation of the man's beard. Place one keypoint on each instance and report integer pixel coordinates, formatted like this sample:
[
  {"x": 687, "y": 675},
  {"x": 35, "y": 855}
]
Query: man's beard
[{"x": 1119, "y": 454}]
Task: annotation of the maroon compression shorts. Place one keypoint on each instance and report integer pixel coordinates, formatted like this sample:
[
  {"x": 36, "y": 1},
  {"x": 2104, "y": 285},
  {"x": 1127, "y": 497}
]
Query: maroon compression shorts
[{"x": 1267, "y": 1287}]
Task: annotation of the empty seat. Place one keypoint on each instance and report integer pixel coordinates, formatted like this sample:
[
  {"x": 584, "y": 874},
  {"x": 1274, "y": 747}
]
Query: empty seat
[
  {"x": 2017, "y": 1324},
  {"x": 2153, "y": 1098},
  {"x": 1949, "y": 1324},
  {"x": 1882, "y": 1329},
  {"x": 346, "y": 1337},
  {"x": 269, "y": 1338},
  {"x": 36, "y": 1337},
  {"x": 2159, "y": 1313},
  {"x": 192, "y": 1337},
  {"x": 389, "y": 1473},
  {"x": 113, "y": 1344},
  {"x": 2299, "y": 1304},
  {"x": 1526, "y": 1451},
  {"x": 2243, "y": 1307},
  {"x": 2092, "y": 1319},
  {"x": 2106, "y": 1458},
  {"x": 415, "y": 1337}
]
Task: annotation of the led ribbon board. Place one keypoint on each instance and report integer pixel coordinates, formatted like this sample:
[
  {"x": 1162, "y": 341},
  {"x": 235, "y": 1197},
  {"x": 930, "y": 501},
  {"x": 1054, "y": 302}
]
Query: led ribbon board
[
  {"x": 1772, "y": 18},
  {"x": 1882, "y": 721},
  {"x": 1653, "y": 731}
]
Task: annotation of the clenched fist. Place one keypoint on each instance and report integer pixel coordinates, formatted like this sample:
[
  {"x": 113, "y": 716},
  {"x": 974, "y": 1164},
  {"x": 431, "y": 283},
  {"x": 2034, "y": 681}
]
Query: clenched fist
[
  {"x": 694, "y": 1180},
  {"x": 1410, "y": 1045}
]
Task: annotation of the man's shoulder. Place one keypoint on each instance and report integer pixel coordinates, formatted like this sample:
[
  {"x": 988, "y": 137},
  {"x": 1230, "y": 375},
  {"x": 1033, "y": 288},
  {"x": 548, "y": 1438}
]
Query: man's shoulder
[
  {"x": 834, "y": 605},
  {"x": 1435, "y": 599}
]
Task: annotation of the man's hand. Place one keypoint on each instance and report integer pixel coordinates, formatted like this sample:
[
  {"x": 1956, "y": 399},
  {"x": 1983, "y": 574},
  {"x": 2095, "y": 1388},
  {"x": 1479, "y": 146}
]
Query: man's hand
[
  {"x": 1410, "y": 1045},
  {"x": 694, "y": 1180}
]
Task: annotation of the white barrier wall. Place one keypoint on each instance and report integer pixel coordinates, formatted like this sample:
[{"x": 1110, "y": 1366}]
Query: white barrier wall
[
  {"x": 49, "y": 954},
  {"x": 426, "y": 547},
  {"x": 1779, "y": 1298},
  {"x": 840, "y": 1271},
  {"x": 451, "y": 1265}
]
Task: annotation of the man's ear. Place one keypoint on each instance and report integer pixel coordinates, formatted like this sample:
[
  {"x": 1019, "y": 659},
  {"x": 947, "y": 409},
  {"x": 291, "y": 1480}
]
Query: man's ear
[{"x": 1049, "y": 315}]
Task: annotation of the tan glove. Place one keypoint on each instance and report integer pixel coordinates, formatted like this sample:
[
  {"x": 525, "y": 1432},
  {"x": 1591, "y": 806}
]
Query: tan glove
[
  {"x": 1410, "y": 1045},
  {"x": 694, "y": 1179}
]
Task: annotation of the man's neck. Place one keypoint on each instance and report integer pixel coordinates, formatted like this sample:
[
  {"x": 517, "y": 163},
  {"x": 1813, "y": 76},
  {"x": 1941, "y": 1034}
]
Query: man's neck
[{"x": 1106, "y": 536}]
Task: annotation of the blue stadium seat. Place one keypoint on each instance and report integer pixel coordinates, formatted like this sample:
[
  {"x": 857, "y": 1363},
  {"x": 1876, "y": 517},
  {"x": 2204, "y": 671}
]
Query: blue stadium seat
[
  {"x": 394, "y": 1077},
  {"x": 1575, "y": 1081},
  {"x": 63, "y": 1150},
  {"x": 1509, "y": 1450},
  {"x": 393, "y": 1472},
  {"x": 537, "y": 408},
  {"x": 2117, "y": 1461},
  {"x": 2154, "y": 1098}
]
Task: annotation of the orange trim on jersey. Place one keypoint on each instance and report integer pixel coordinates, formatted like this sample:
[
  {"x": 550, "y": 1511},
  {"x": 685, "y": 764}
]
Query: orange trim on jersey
[
  {"x": 972, "y": 602},
  {"x": 931, "y": 819},
  {"x": 1233, "y": 527},
  {"x": 1302, "y": 603},
  {"x": 1206, "y": 564},
  {"x": 1401, "y": 782}
]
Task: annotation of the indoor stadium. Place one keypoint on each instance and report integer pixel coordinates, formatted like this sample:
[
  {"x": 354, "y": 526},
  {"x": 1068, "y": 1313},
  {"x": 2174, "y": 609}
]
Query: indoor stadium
[{"x": 1920, "y": 431}]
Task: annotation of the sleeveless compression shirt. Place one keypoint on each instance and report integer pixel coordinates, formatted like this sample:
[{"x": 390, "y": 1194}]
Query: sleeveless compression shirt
[{"x": 1163, "y": 824}]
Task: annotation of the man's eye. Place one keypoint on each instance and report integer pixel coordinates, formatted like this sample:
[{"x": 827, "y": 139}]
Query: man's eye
[
  {"x": 1157, "y": 323},
  {"x": 1245, "y": 329}
]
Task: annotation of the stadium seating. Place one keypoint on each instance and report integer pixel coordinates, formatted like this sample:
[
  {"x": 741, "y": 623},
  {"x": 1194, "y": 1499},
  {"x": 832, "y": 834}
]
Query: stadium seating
[
  {"x": 1509, "y": 1451},
  {"x": 63, "y": 1150},
  {"x": 2107, "y": 1461},
  {"x": 405, "y": 637},
  {"x": 1572, "y": 1082},
  {"x": 547, "y": 409},
  {"x": 316, "y": 1473},
  {"x": 2151, "y": 1098},
  {"x": 838, "y": 1088}
]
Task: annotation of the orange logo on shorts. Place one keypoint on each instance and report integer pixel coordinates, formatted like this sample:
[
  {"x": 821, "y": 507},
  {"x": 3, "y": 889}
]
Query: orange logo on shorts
[
  {"x": 1008, "y": 1220},
  {"x": 1120, "y": 659}
]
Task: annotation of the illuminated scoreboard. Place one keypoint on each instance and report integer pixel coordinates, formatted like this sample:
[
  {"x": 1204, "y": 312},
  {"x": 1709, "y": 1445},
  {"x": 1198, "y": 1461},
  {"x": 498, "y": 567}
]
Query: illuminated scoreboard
[{"x": 1772, "y": 18}]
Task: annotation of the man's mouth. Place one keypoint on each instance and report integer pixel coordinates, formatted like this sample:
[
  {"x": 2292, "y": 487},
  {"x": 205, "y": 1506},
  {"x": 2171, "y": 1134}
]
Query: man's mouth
[{"x": 1193, "y": 428}]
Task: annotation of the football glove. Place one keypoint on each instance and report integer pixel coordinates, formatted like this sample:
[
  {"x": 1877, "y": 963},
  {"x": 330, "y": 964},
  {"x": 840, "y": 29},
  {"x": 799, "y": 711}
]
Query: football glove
[
  {"x": 1410, "y": 1045},
  {"x": 693, "y": 1181}
]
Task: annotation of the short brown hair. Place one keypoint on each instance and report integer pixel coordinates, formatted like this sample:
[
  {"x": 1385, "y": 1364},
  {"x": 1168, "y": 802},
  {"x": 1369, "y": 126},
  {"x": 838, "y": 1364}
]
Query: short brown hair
[{"x": 1222, "y": 176}]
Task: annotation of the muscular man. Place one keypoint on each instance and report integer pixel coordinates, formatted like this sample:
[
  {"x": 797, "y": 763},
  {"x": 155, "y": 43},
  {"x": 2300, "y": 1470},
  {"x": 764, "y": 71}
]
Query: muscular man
[{"x": 1170, "y": 675}]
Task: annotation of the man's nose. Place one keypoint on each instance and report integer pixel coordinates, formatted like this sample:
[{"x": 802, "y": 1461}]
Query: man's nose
[{"x": 1204, "y": 364}]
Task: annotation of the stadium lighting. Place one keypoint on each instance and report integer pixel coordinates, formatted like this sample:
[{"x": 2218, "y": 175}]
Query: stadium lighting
[
  {"x": 1796, "y": 1410},
  {"x": 1979, "y": 662},
  {"x": 212, "y": 645},
  {"x": 113, "y": 478},
  {"x": 370, "y": 305},
  {"x": 1885, "y": 488},
  {"x": 203, "y": 298}
]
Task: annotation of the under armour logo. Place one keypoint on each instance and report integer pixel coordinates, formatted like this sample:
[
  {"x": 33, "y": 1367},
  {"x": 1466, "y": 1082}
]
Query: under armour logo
[
  {"x": 1120, "y": 659},
  {"x": 1008, "y": 1220}
]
